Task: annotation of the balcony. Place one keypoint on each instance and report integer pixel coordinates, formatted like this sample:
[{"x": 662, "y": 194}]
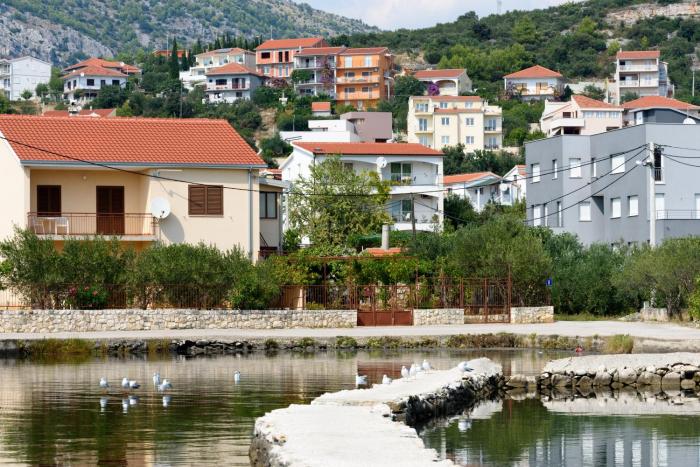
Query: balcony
[
  {"x": 567, "y": 122},
  {"x": 638, "y": 68},
  {"x": 492, "y": 129},
  {"x": 629, "y": 83},
  {"x": 128, "y": 226},
  {"x": 358, "y": 96},
  {"x": 358, "y": 79},
  {"x": 313, "y": 64},
  {"x": 227, "y": 87},
  {"x": 678, "y": 214}
]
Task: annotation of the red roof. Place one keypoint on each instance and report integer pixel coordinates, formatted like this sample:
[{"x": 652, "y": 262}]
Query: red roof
[
  {"x": 365, "y": 50},
  {"x": 465, "y": 178},
  {"x": 382, "y": 149},
  {"x": 658, "y": 102},
  {"x": 320, "y": 106},
  {"x": 92, "y": 70},
  {"x": 99, "y": 62},
  {"x": 586, "y": 102},
  {"x": 310, "y": 51},
  {"x": 536, "y": 71},
  {"x": 637, "y": 54},
  {"x": 383, "y": 252},
  {"x": 232, "y": 69},
  {"x": 127, "y": 141},
  {"x": 81, "y": 113},
  {"x": 231, "y": 50},
  {"x": 446, "y": 73},
  {"x": 302, "y": 42}
]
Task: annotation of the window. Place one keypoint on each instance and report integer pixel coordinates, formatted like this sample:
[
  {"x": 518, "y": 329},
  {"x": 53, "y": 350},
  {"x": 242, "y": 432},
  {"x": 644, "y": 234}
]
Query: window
[
  {"x": 575, "y": 168},
  {"x": 265, "y": 55},
  {"x": 469, "y": 140},
  {"x": 555, "y": 168},
  {"x": 492, "y": 142},
  {"x": 115, "y": 82},
  {"x": 536, "y": 215},
  {"x": 401, "y": 172},
  {"x": 266, "y": 70},
  {"x": 421, "y": 107},
  {"x": 469, "y": 121},
  {"x": 618, "y": 164},
  {"x": 615, "y": 208},
  {"x": 103, "y": 82},
  {"x": 347, "y": 61},
  {"x": 368, "y": 60},
  {"x": 422, "y": 124},
  {"x": 633, "y": 206},
  {"x": 365, "y": 89},
  {"x": 90, "y": 82},
  {"x": 221, "y": 82},
  {"x": 594, "y": 168},
  {"x": 268, "y": 205},
  {"x": 584, "y": 211},
  {"x": 468, "y": 105},
  {"x": 401, "y": 212},
  {"x": 660, "y": 206},
  {"x": 535, "y": 169},
  {"x": 48, "y": 200},
  {"x": 443, "y": 105},
  {"x": 445, "y": 140},
  {"x": 491, "y": 124},
  {"x": 546, "y": 215},
  {"x": 445, "y": 121},
  {"x": 349, "y": 90},
  {"x": 349, "y": 74},
  {"x": 560, "y": 215},
  {"x": 423, "y": 140},
  {"x": 205, "y": 200}
]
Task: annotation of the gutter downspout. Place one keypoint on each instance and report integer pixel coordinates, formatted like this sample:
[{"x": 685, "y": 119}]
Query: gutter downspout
[{"x": 250, "y": 214}]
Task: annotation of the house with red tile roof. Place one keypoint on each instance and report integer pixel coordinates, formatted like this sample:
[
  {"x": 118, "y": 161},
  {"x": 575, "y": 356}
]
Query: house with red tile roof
[
  {"x": 415, "y": 172},
  {"x": 321, "y": 109},
  {"x": 275, "y": 58},
  {"x": 534, "y": 83},
  {"x": 364, "y": 76},
  {"x": 658, "y": 109},
  {"x": 640, "y": 73},
  {"x": 480, "y": 188},
  {"x": 320, "y": 64},
  {"x": 232, "y": 82},
  {"x": 83, "y": 80},
  {"x": 72, "y": 177},
  {"x": 211, "y": 59},
  {"x": 580, "y": 116},
  {"x": 449, "y": 82},
  {"x": 515, "y": 181}
]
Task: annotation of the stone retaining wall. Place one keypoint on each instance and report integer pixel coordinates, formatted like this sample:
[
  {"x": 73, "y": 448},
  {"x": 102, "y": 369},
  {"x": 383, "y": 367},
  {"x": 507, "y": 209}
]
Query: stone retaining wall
[
  {"x": 45, "y": 321},
  {"x": 532, "y": 314},
  {"x": 654, "y": 314},
  {"x": 429, "y": 317}
]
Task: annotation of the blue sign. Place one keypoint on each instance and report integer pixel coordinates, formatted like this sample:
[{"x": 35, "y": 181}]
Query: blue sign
[{"x": 549, "y": 282}]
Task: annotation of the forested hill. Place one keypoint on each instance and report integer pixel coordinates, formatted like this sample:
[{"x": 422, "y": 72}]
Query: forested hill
[
  {"x": 578, "y": 39},
  {"x": 65, "y": 30}
]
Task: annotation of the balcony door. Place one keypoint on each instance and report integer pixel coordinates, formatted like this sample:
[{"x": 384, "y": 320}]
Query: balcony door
[{"x": 110, "y": 210}]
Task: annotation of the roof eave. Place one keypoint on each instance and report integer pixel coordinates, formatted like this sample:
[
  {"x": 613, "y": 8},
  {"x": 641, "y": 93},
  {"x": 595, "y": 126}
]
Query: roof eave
[{"x": 107, "y": 165}]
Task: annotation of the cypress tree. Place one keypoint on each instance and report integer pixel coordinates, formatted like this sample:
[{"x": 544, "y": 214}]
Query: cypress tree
[{"x": 174, "y": 69}]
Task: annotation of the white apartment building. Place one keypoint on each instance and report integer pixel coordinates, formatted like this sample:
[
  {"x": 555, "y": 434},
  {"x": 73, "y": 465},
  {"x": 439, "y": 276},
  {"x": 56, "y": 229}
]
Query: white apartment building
[
  {"x": 338, "y": 131},
  {"x": 207, "y": 61},
  {"x": 415, "y": 172},
  {"x": 580, "y": 116},
  {"x": 20, "y": 74},
  {"x": 642, "y": 73},
  {"x": 449, "y": 82},
  {"x": 232, "y": 82},
  {"x": 441, "y": 121},
  {"x": 83, "y": 80},
  {"x": 536, "y": 82}
]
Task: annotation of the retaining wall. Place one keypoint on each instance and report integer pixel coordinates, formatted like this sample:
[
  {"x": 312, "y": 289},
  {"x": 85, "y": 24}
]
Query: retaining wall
[
  {"x": 430, "y": 317},
  {"x": 163, "y": 319},
  {"x": 532, "y": 314}
]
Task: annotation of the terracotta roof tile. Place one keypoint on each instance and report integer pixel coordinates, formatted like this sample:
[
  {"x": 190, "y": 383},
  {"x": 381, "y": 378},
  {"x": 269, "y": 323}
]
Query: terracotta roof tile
[
  {"x": 320, "y": 106},
  {"x": 311, "y": 51},
  {"x": 536, "y": 71},
  {"x": 94, "y": 61},
  {"x": 451, "y": 98},
  {"x": 446, "y": 73},
  {"x": 291, "y": 43},
  {"x": 381, "y": 252},
  {"x": 365, "y": 50},
  {"x": 81, "y": 113},
  {"x": 379, "y": 149},
  {"x": 125, "y": 141},
  {"x": 638, "y": 54},
  {"x": 232, "y": 50},
  {"x": 92, "y": 70},
  {"x": 658, "y": 102},
  {"x": 465, "y": 178},
  {"x": 232, "y": 69},
  {"x": 586, "y": 102}
]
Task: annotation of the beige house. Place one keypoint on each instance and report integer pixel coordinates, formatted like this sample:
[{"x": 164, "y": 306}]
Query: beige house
[
  {"x": 640, "y": 73},
  {"x": 76, "y": 177},
  {"x": 441, "y": 121},
  {"x": 534, "y": 83},
  {"x": 450, "y": 82},
  {"x": 580, "y": 116}
]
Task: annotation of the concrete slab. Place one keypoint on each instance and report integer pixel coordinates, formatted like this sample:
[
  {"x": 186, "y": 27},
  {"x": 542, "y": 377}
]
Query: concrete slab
[{"x": 591, "y": 363}]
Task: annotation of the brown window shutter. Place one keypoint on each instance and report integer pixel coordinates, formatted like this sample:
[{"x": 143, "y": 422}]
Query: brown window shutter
[
  {"x": 48, "y": 199},
  {"x": 197, "y": 200},
  {"x": 215, "y": 200}
]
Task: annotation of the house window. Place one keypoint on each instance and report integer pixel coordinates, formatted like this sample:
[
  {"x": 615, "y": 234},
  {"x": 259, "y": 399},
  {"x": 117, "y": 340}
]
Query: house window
[
  {"x": 469, "y": 140},
  {"x": 366, "y": 74},
  {"x": 368, "y": 60},
  {"x": 268, "y": 205},
  {"x": 365, "y": 89},
  {"x": 205, "y": 200},
  {"x": 468, "y": 105},
  {"x": 347, "y": 61},
  {"x": 423, "y": 140},
  {"x": 266, "y": 70},
  {"x": 265, "y": 55},
  {"x": 491, "y": 124},
  {"x": 445, "y": 140},
  {"x": 401, "y": 212},
  {"x": 443, "y": 105},
  {"x": 103, "y": 82},
  {"x": 618, "y": 164},
  {"x": 546, "y": 215},
  {"x": 535, "y": 169},
  {"x": 633, "y": 206},
  {"x": 221, "y": 82},
  {"x": 492, "y": 142},
  {"x": 594, "y": 168},
  {"x": 48, "y": 200},
  {"x": 349, "y": 74},
  {"x": 575, "y": 168},
  {"x": 445, "y": 121},
  {"x": 115, "y": 82},
  {"x": 615, "y": 208},
  {"x": 660, "y": 205},
  {"x": 536, "y": 215},
  {"x": 560, "y": 215},
  {"x": 555, "y": 169},
  {"x": 469, "y": 121},
  {"x": 90, "y": 82},
  {"x": 422, "y": 124},
  {"x": 421, "y": 107},
  {"x": 584, "y": 211},
  {"x": 401, "y": 172},
  {"x": 349, "y": 90}
]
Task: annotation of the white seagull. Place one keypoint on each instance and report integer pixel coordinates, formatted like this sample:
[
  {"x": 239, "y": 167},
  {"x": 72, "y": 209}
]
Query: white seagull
[
  {"x": 165, "y": 385},
  {"x": 125, "y": 383},
  {"x": 103, "y": 383},
  {"x": 156, "y": 378},
  {"x": 413, "y": 371},
  {"x": 386, "y": 380},
  {"x": 360, "y": 379},
  {"x": 404, "y": 372},
  {"x": 237, "y": 376},
  {"x": 464, "y": 366},
  {"x": 426, "y": 365},
  {"x": 166, "y": 401},
  {"x": 133, "y": 384}
]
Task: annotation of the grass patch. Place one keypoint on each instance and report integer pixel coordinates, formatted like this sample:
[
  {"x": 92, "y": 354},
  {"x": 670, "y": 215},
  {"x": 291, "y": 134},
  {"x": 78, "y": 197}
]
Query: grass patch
[
  {"x": 558, "y": 343},
  {"x": 345, "y": 342},
  {"x": 484, "y": 341},
  {"x": 158, "y": 346},
  {"x": 305, "y": 342},
  {"x": 56, "y": 348},
  {"x": 620, "y": 343},
  {"x": 585, "y": 317},
  {"x": 271, "y": 344},
  {"x": 385, "y": 342}
]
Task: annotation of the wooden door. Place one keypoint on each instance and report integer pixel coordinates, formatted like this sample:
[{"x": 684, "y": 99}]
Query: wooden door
[{"x": 110, "y": 210}]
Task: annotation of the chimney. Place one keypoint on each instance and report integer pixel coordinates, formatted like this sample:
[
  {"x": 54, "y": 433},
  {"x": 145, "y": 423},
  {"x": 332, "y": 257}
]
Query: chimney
[{"x": 385, "y": 236}]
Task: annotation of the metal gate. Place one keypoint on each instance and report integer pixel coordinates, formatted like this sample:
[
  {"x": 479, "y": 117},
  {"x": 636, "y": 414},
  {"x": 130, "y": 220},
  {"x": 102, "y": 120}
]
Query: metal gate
[
  {"x": 486, "y": 300},
  {"x": 384, "y": 305}
]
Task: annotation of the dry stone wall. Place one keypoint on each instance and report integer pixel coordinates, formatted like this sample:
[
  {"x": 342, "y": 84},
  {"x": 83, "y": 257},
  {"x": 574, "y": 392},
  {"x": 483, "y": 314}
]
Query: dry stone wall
[
  {"x": 429, "y": 317},
  {"x": 532, "y": 314}
]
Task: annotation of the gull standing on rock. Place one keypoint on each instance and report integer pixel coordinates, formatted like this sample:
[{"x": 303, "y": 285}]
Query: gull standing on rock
[
  {"x": 386, "y": 380},
  {"x": 360, "y": 380},
  {"x": 133, "y": 384},
  {"x": 237, "y": 376},
  {"x": 426, "y": 365},
  {"x": 413, "y": 371},
  {"x": 464, "y": 367},
  {"x": 165, "y": 385},
  {"x": 103, "y": 383},
  {"x": 404, "y": 372}
]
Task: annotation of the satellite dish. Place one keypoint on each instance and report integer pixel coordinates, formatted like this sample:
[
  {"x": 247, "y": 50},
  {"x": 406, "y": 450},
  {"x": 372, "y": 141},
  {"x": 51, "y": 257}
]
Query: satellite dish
[
  {"x": 503, "y": 187},
  {"x": 381, "y": 162},
  {"x": 160, "y": 208},
  {"x": 689, "y": 121}
]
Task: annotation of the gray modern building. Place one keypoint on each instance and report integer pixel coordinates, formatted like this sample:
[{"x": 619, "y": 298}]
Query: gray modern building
[{"x": 599, "y": 186}]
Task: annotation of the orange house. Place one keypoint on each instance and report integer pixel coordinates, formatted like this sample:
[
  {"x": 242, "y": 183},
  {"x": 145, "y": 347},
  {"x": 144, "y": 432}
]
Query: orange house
[
  {"x": 275, "y": 58},
  {"x": 364, "y": 76}
]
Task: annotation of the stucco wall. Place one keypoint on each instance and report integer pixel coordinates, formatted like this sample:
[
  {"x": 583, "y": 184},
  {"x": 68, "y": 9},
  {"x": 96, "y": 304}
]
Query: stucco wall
[
  {"x": 163, "y": 319},
  {"x": 14, "y": 191}
]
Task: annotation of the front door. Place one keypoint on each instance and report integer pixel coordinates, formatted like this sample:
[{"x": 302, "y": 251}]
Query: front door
[{"x": 110, "y": 210}]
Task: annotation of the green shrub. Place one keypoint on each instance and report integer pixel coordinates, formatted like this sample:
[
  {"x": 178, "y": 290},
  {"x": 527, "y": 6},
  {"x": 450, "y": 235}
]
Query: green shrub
[
  {"x": 619, "y": 344},
  {"x": 345, "y": 342},
  {"x": 271, "y": 344}
]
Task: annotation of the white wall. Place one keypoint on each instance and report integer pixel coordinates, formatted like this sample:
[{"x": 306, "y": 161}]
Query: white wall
[
  {"x": 26, "y": 73},
  {"x": 14, "y": 191}
]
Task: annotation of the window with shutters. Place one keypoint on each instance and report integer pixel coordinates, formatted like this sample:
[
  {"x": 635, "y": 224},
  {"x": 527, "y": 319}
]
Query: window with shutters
[
  {"x": 268, "y": 205},
  {"x": 48, "y": 200},
  {"x": 206, "y": 200}
]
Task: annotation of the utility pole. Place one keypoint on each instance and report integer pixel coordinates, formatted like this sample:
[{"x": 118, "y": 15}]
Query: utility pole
[
  {"x": 693, "y": 90},
  {"x": 413, "y": 216},
  {"x": 652, "y": 196}
]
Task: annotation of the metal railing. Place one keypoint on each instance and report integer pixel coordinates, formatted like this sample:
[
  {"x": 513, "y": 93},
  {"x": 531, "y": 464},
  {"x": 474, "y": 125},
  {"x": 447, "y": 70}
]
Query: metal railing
[
  {"x": 82, "y": 224},
  {"x": 678, "y": 214}
]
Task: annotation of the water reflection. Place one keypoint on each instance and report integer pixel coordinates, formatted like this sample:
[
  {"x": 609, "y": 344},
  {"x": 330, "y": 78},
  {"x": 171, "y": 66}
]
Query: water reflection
[{"x": 57, "y": 413}]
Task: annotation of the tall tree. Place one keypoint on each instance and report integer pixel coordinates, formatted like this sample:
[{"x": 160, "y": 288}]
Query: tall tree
[{"x": 174, "y": 68}]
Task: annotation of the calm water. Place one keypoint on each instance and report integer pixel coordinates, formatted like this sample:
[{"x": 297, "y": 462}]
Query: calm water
[{"x": 51, "y": 414}]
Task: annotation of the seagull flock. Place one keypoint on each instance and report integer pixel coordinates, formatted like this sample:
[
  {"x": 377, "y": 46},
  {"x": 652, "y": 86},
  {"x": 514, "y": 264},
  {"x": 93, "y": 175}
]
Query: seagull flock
[{"x": 411, "y": 373}]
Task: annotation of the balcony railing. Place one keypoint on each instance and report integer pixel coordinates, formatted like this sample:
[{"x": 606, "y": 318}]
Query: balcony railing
[
  {"x": 73, "y": 224},
  {"x": 678, "y": 214},
  {"x": 227, "y": 87},
  {"x": 357, "y": 79},
  {"x": 629, "y": 83},
  {"x": 491, "y": 128},
  {"x": 639, "y": 67}
]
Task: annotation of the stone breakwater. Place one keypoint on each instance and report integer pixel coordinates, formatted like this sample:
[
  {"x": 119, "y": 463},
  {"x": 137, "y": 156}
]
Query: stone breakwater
[{"x": 370, "y": 426}]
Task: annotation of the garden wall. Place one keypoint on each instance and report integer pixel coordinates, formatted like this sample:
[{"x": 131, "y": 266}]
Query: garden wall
[
  {"x": 428, "y": 317},
  {"x": 163, "y": 319},
  {"x": 532, "y": 314}
]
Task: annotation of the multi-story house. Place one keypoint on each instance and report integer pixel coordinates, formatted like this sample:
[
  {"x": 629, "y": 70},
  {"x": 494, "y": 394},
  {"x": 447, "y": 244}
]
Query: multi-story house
[
  {"x": 22, "y": 74},
  {"x": 640, "y": 73},
  {"x": 449, "y": 82},
  {"x": 536, "y": 82},
  {"x": 480, "y": 188},
  {"x": 208, "y": 177},
  {"x": 232, "y": 82},
  {"x": 207, "y": 61},
  {"x": 516, "y": 184},
  {"x": 414, "y": 170},
  {"x": 364, "y": 76},
  {"x": 275, "y": 58},
  {"x": 121, "y": 67},
  {"x": 441, "y": 121},
  {"x": 83, "y": 81},
  {"x": 604, "y": 190},
  {"x": 367, "y": 127},
  {"x": 320, "y": 64},
  {"x": 658, "y": 109},
  {"x": 580, "y": 116}
]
